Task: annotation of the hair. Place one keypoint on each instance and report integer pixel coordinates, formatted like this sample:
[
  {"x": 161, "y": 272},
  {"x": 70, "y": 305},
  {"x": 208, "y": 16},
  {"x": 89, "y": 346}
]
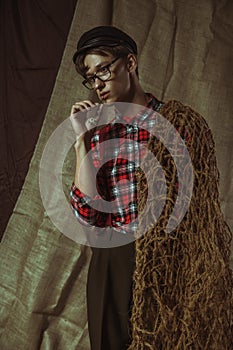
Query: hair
[{"x": 116, "y": 51}]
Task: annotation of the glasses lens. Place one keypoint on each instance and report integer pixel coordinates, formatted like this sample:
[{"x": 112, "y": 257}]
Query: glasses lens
[
  {"x": 89, "y": 84},
  {"x": 104, "y": 74}
]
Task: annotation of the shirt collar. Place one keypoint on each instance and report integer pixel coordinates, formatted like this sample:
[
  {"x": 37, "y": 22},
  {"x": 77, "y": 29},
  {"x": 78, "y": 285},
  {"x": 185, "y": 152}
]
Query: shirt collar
[{"x": 152, "y": 104}]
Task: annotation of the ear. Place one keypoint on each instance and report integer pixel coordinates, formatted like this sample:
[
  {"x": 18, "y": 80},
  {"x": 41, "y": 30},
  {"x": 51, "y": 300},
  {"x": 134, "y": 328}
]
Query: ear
[{"x": 132, "y": 62}]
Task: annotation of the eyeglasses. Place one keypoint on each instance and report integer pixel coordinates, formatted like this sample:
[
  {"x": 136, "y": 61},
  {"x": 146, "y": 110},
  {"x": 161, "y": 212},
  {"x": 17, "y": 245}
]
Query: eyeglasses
[{"x": 103, "y": 74}]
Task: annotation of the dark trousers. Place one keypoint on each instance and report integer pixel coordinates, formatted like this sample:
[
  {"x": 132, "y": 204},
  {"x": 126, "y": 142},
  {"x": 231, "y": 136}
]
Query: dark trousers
[{"x": 109, "y": 297}]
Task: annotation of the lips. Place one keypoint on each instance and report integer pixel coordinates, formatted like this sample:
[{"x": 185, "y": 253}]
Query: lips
[{"x": 104, "y": 95}]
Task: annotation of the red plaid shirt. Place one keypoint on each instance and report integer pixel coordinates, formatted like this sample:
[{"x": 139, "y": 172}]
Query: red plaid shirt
[{"x": 116, "y": 163}]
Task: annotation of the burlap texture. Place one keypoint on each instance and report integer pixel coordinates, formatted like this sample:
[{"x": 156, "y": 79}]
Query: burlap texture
[{"x": 186, "y": 53}]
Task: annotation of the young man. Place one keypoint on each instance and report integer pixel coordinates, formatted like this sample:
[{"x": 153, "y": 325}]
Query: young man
[{"x": 107, "y": 59}]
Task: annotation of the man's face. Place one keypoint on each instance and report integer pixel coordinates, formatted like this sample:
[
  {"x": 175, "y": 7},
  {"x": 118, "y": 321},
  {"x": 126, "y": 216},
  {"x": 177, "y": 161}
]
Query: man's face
[{"x": 119, "y": 86}]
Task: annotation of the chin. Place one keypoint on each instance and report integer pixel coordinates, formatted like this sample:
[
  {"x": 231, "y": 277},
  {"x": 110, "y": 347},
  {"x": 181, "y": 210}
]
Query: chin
[
  {"x": 109, "y": 100},
  {"x": 114, "y": 99}
]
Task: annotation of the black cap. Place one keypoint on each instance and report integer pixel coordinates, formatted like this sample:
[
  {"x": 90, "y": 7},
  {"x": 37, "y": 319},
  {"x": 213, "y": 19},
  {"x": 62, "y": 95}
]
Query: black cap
[{"x": 104, "y": 36}]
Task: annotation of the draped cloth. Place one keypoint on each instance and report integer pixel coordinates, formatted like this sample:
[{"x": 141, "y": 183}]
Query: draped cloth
[{"x": 185, "y": 54}]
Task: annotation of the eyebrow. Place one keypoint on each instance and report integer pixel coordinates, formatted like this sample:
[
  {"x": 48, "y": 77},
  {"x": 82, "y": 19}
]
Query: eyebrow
[{"x": 100, "y": 65}]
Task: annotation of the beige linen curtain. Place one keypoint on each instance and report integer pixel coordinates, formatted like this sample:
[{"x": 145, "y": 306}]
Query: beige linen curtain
[{"x": 185, "y": 53}]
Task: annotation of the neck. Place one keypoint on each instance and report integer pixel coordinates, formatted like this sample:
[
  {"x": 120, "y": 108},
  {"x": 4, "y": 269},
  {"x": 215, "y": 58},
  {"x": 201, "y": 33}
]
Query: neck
[
  {"x": 138, "y": 95},
  {"x": 140, "y": 98},
  {"x": 136, "y": 98}
]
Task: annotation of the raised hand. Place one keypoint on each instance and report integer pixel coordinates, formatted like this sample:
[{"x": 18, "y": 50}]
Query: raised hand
[{"x": 81, "y": 122}]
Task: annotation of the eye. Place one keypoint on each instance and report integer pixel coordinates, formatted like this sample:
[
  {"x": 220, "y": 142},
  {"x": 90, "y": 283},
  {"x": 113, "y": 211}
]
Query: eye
[
  {"x": 91, "y": 80},
  {"x": 103, "y": 70}
]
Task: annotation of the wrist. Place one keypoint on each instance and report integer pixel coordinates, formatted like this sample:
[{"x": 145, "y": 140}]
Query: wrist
[
  {"x": 79, "y": 143},
  {"x": 79, "y": 138}
]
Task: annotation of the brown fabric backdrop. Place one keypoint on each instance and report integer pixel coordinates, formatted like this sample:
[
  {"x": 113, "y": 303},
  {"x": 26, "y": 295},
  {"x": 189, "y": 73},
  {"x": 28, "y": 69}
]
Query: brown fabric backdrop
[{"x": 185, "y": 53}]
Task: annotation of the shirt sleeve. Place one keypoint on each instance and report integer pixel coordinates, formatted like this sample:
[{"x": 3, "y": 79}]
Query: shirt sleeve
[{"x": 82, "y": 206}]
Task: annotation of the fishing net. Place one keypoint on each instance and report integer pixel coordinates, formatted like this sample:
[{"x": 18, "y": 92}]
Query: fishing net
[{"x": 182, "y": 295}]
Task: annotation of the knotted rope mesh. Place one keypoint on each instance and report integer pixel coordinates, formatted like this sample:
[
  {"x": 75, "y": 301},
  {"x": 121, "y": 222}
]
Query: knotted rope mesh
[{"x": 182, "y": 296}]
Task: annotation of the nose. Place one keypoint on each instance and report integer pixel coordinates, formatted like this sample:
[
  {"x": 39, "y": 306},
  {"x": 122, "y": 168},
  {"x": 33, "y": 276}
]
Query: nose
[{"x": 98, "y": 83}]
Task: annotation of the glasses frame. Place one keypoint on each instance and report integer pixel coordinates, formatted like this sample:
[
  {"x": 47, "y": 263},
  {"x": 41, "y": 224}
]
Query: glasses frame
[{"x": 93, "y": 77}]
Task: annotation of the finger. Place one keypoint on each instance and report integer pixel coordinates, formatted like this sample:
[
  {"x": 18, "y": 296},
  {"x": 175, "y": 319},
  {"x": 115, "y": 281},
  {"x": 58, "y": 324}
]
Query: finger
[
  {"x": 89, "y": 103},
  {"x": 79, "y": 107},
  {"x": 82, "y": 106},
  {"x": 86, "y": 104}
]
